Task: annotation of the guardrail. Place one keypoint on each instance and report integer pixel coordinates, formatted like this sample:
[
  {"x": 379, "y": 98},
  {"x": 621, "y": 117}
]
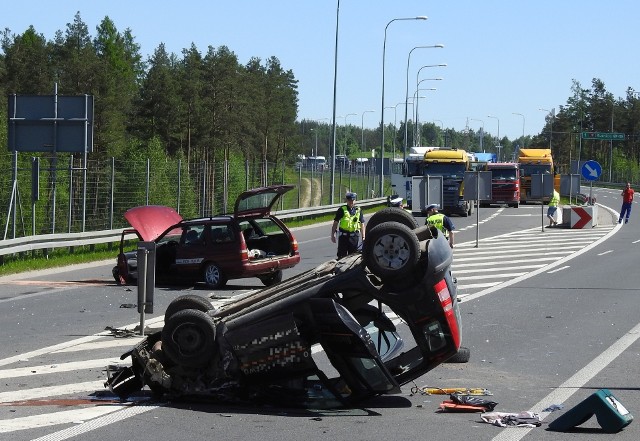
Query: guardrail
[{"x": 47, "y": 241}]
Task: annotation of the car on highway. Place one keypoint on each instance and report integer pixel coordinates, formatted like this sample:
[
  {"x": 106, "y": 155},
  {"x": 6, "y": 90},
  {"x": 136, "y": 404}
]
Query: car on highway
[
  {"x": 251, "y": 242},
  {"x": 343, "y": 332}
]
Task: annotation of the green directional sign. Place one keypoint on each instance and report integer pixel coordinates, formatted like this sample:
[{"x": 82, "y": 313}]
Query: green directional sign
[{"x": 603, "y": 136}]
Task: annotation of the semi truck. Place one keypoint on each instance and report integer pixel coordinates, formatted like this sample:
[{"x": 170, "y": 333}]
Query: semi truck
[
  {"x": 505, "y": 184},
  {"x": 451, "y": 165},
  {"x": 533, "y": 162},
  {"x": 402, "y": 177}
]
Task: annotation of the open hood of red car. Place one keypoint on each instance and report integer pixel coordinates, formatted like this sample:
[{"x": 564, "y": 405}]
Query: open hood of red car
[
  {"x": 150, "y": 221},
  {"x": 258, "y": 201}
]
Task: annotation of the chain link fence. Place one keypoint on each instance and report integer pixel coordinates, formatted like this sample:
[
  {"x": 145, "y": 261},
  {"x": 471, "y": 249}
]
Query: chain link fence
[{"x": 58, "y": 194}]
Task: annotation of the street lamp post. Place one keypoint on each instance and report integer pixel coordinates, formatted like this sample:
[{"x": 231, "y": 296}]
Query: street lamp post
[
  {"x": 344, "y": 151},
  {"x": 384, "y": 49},
  {"x": 362, "y": 144},
  {"x": 523, "y": 119},
  {"x": 498, "y": 146},
  {"x": 335, "y": 81},
  {"x": 481, "y": 133},
  {"x": 395, "y": 120},
  {"x": 415, "y": 108},
  {"x": 418, "y": 86},
  {"x": 553, "y": 114},
  {"x": 404, "y": 156}
]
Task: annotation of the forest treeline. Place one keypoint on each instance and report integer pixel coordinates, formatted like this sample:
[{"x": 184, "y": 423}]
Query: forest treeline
[{"x": 208, "y": 106}]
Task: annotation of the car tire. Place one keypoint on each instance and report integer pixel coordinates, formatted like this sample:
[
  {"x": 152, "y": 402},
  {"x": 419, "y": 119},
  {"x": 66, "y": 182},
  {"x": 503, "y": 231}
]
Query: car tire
[
  {"x": 188, "y": 301},
  {"x": 391, "y": 214},
  {"x": 213, "y": 276},
  {"x": 462, "y": 356},
  {"x": 116, "y": 274},
  {"x": 189, "y": 338},
  {"x": 391, "y": 250},
  {"x": 271, "y": 279}
]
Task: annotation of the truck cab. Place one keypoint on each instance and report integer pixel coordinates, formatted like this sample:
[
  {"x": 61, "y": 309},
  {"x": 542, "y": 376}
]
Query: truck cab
[
  {"x": 505, "y": 184},
  {"x": 533, "y": 162},
  {"x": 451, "y": 164}
]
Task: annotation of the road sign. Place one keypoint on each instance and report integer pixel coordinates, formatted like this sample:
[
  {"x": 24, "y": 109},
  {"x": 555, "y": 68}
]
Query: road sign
[
  {"x": 581, "y": 217},
  {"x": 603, "y": 136},
  {"x": 591, "y": 170}
]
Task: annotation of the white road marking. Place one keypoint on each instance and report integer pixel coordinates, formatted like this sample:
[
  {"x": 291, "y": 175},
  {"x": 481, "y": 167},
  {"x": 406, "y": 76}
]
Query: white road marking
[
  {"x": 63, "y": 417},
  {"x": 563, "y": 392},
  {"x": 562, "y": 268},
  {"x": 55, "y": 368},
  {"x": 50, "y": 391}
]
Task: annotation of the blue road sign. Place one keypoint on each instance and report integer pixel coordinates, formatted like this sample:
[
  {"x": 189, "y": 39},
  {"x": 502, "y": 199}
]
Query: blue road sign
[{"x": 591, "y": 170}]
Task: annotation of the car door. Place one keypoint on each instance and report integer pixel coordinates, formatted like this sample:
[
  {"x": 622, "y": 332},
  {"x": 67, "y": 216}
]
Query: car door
[
  {"x": 351, "y": 350},
  {"x": 191, "y": 251}
]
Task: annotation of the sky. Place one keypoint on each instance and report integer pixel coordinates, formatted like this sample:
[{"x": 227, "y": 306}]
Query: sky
[{"x": 505, "y": 59}]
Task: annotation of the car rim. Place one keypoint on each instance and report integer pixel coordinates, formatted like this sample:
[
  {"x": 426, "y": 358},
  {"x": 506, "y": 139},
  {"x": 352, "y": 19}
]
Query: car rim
[
  {"x": 213, "y": 275},
  {"x": 391, "y": 251}
]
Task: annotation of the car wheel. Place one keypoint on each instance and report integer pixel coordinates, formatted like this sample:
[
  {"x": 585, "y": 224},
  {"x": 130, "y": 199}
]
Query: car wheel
[
  {"x": 213, "y": 276},
  {"x": 391, "y": 250},
  {"x": 391, "y": 214},
  {"x": 189, "y": 338},
  {"x": 189, "y": 301},
  {"x": 271, "y": 279},
  {"x": 462, "y": 356},
  {"x": 116, "y": 274}
]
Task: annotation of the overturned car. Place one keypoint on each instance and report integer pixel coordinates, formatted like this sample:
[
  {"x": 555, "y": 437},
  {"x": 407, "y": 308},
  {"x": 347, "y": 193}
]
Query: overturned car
[{"x": 343, "y": 332}]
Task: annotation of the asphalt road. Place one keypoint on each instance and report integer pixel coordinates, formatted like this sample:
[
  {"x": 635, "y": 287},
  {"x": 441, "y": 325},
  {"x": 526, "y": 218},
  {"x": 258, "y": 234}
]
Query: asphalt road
[{"x": 550, "y": 315}]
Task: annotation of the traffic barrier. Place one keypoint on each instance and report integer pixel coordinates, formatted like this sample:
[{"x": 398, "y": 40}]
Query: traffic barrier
[{"x": 585, "y": 216}]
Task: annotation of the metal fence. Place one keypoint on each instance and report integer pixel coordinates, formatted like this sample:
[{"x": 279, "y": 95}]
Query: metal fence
[{"x": 62, "y": 194}]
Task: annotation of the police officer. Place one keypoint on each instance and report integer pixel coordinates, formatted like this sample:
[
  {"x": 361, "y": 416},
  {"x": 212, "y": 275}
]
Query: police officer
[
  {"x": 348, "y": 225},
  {"x": 440, "y": 221}
]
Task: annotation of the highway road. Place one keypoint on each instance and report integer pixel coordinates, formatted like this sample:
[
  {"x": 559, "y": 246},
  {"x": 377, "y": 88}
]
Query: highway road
[{"x": 550, "y": 315}]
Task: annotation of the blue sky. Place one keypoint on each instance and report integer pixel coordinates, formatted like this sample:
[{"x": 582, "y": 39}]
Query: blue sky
[{"x": 503, "y": 57}]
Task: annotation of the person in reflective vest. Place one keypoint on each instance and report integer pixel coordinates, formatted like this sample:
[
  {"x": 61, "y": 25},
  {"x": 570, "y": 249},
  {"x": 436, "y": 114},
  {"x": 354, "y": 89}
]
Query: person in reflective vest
[
  {"x": 553, "y": 207},
  {"x": 440, "y": 221},
  {"x": 348, "y": 226}
]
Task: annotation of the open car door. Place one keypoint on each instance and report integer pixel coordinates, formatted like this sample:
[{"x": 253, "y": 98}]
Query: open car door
[
  {"x": 259, "y": 201},
  {"x": 351, "y": 351}
]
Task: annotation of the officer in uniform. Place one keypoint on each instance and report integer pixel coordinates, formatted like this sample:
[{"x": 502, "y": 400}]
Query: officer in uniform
[
  {"x": 348, "y": 225},
  {"x": 440, "y": 221}
]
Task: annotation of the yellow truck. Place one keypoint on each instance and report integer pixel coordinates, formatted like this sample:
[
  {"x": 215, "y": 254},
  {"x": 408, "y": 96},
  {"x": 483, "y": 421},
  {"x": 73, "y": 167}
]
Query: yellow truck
[
  {"x": 451, "y": 164},
  {"x": 533, "y": 162}
]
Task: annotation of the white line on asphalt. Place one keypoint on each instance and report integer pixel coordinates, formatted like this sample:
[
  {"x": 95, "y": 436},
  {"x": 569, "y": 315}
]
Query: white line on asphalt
[
  {"x": 636, "y": 241},
  {"x": 605, "y": 252},
  {"x": 50, "y": 391},
  {"x": 108, "y": 342},
  {"x": 541, "y": 270},
  {"x": 55, "y": 368},
  {"x": 97, "y": 423},
  {"x": 558, "y": 269},
  {"x": 76, "y": 416},
  {"x": 563, "y": 392}
]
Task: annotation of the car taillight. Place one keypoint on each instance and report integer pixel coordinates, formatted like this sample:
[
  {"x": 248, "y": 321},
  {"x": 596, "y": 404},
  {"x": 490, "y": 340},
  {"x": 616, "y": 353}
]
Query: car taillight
[
  {"x": 244, "y": 252},
  {"x": 447, "y": 306},
  {"x": 294, "y": 244}
]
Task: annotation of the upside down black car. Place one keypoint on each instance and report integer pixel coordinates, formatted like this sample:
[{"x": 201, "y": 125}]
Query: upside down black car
[{"x": 343, "y": 332}]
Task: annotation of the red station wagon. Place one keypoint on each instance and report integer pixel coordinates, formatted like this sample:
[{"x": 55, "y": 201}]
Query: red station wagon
[{"x": 249, "y": 243}]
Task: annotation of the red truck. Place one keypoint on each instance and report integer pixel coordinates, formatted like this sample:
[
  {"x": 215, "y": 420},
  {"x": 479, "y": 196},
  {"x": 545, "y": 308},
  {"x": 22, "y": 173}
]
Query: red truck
[{"x": 505, "y": 184}]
